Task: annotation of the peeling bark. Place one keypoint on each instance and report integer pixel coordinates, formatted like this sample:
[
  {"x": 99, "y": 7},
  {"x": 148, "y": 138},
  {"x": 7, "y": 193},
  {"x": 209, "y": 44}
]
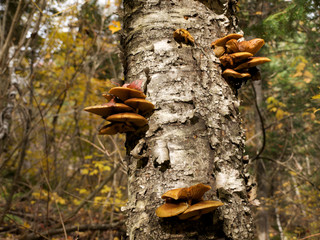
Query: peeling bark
[{"x": 194, "y": 134}]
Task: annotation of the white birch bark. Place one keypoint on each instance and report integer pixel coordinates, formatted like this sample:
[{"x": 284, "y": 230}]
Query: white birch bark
[{"x": 194, "y": 134}]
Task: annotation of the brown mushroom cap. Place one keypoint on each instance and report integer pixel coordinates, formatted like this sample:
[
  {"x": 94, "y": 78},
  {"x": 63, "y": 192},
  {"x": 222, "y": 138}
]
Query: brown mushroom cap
[
  {"x": 107, "y": 109},
  {"x": 232, "y": 46},
  {"x": 128, "y": 118},
  {"x": 222, "y": 41},
  {"x": 254, "y": 61},
  {"x": 251, "y": 46},
  {"x": 115, "y": 128},
  {"x": 219, "y": 51},
  {"x": 171, "y": 209},
  {"x": 200, "y": 208},
  {"x": 229, "y": 60},
  {"x": 108, "y": 96},
  {"x": 231, "y": 73},
  {"x": 143, "y": 105},
  {"x": 125, "y": 93},
  {"x": 196, "y": 192},
  {"x": 176, "y": 194}
]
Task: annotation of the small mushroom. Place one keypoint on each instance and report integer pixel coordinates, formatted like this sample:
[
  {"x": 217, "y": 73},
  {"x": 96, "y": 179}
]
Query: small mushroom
[
  {"x": 124, "y": 93},
  {"x": 107, "y": 109},
  {"x": 254, "y": 61},
  {"x": 141, "y": 105},
  {"x": 171, "y": 209},
  {"x": 251, "y": 46},
  {"x": 229, "y": 60},
  {"x": 183, "y": 36},
  {"x": 231, "y": 73},
  {"x": 131, "y": 119},
  {"x": 199, "y": 209},
  {"x": 114, "y": 128}
]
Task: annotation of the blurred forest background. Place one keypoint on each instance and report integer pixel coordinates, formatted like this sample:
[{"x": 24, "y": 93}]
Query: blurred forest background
[{"x": 59, "y": 179}]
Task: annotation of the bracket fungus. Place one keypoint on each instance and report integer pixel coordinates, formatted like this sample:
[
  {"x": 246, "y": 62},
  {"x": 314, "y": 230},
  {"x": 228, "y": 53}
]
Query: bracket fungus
[
  {"x": 200, "y": 208},
  {"x": 186, "y": 203},
  {"x": 220, "y": 44},
  {"x": 238, "y": 63},
  {"x": 171, "y": 209},
  {"x": 125, "y": 110},
  {"x": 183, "y": 36},
  {"x": 106, "y": 109}
]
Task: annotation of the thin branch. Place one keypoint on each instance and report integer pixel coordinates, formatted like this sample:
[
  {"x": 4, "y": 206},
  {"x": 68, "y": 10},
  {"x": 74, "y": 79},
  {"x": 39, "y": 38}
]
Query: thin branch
[{"x": 262, "y": 125}]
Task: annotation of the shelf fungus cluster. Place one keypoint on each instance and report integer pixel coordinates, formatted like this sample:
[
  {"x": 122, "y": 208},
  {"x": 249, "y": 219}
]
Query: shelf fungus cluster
[
  {"x": 187, "y": 203},
  {"x": 125, "y": 111},
  {"x": 237, "y": 58}
]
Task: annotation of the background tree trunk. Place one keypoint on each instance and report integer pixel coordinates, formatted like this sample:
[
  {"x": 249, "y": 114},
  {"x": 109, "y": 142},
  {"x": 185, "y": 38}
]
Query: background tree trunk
[{"x": 194, "y": 133}]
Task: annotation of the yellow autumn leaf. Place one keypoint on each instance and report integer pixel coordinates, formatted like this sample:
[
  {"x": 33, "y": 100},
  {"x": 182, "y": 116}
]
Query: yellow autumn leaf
[
  {"x": 88, "y": 157},
  {"x": 279, "y": 114},
  {"x": 316, "y": 97},
  {"x": 84, "y": 171},
  {"x": 94, "y": 172},
  {"x": 114, "y": 27}
]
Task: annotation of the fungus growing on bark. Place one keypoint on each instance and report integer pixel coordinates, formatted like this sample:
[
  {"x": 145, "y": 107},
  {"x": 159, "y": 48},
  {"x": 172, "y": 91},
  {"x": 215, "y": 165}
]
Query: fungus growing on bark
[
  {"x": 123, "y": 117},
  {"x": 196, "y": 210},
  {"x": 251, "y": 46},
  {"x": 230, "y": 60},
  {"x": 220, "y": 44},
  {"x": 254, "y": 61},
  {"x": 124, "y": 93},
  {"x": 131, "y": 119},
  {"x": 114, "y": 128},
  {"x": 229, "y": 73},
  {"x": 106, "y": 109},
  {"x": 176, "y": 194},
  {"x": 171, "y": 209},
  {"x": 183, "y": 36},
  {"x": 190, "y": 194},
  {"x": 142, "y": 106},
  {"x": 187, "y": 203},
  {"x": 238, "y": 56}
]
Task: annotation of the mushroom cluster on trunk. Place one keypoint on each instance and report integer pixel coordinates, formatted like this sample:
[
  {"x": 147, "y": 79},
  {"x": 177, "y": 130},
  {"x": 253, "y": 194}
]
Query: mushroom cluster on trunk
[
  {"x": 126, "y": 110},
  {"x": 187, "y": 203},
  {"x": 237, "y": 58}
]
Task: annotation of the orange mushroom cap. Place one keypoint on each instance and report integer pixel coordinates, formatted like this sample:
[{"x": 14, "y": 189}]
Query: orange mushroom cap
[
  {"x": 176, "y": 194},
  {"x": 107, "y": 109},
  {"x": 231, "y": 73},
  {"x": 251, "y": 46},
  {"x": 142, "y": 105},
  {"x": 182, "y": 35},
  {"x": 229, "y": 60},
  {"x": 125, "y": 93},
  {"x": 200, "y": 208},
  {"x": 129, "y": 118},
  {"x": 222, "y": 41},
  {"x": 254, "y": 61},
  {"x": 171, "y": 209},
  {"x": 196, "y": 192},
  {"x": 115, "y": 128}
]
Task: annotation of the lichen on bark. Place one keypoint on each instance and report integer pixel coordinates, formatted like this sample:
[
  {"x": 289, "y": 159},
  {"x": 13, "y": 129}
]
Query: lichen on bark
[{"x": 194, "y": 134}]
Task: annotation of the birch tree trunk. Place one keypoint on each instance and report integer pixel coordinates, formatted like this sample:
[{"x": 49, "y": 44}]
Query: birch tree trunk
[{"x": 194, "y": 134}]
